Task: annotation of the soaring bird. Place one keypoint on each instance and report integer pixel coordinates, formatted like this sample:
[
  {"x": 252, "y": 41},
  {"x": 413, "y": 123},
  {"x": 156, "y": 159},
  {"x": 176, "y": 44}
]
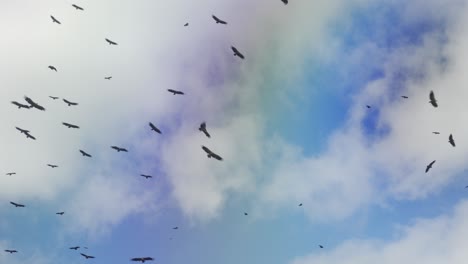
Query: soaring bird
[
  {"x": 320, "y": 246},
  {"x": 54, "y": 20},
  {"x": 146, "y": 176},
  {"x": 119, "y": 149},
  {"x": 300, "y": 204},
  {"x": 175, "y": 91},
  {"x": 203, "y": 129},
  {"x": 77, "y": 7},
  {"x": 11, "y": 251},
  {"x": 52, "y": 166},
  {"x": 70, "y": 125},
  {"x": 33, "y": 104},
  {"x": 52, "y": 68},
  {"x": 111, "y": 42},
  {"x": 368, "y": 106},
  {"x": 23, "y": 131},
  {"x": 60, "y": 213},
  {"x": 108, "y": 78},
  {"x": 237, "y": 53},
  {"x": 218, "y": 21},
  {"x": 29, "y": 136},
  {"x": 154, "y": 128},
  {"x": 433, "y": 101},
  {"x": 175, "y": 228},
  {"x": 17, "y": 204},
  {"x": 86, "y": 256},
  {"x": 451, "y": 141},
  {"x": 75, "y": 248},
  {"x": 428, "y": 167},
  {"x": 85, "y": 154},
  {"x": 285, "y": 1},
  {"x": 211, "y": 153},
  {"x": 54, "y": 97},
  {"x": 142, "y": 259},
  {"x": 19, "y": 105},
  {"x": 69, "y": 103},
  {"x": 435, "y": 132},
  {"x": 10, "y": 173},
  {"x": 404, "y": 96},
  {"x": 186, "y": 24},
  {"x": 246, "y": 213}
]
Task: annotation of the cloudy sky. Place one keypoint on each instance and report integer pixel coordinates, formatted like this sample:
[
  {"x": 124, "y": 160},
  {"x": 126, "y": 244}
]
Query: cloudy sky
[{"x": 290, "y": 121}]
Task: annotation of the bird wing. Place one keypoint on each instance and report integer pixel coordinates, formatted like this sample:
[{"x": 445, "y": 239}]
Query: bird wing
[
  {"x": 207, "y": 150},
  {"x": 215, "y": 18},
  {"x": 206, "y": 133},
  {"x": 216, "y": 156},
  {"x": 432, "y": 96},
  {"x": 148, "y": 258}
]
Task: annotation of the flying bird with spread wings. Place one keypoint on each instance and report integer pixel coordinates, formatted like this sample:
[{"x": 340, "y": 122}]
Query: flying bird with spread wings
[
  {"x": 10, "y": 173},
  {"x": 218, "y": 21},
  {"x": 17, "y": 204},
  {"x": 237, "y": 52},
  {"x": 75, "y": 248},
  {"x": 111, "y": 42},
  {"x": 211, "y": 154},
  {"x": 52, "y": 166},
  {"x": 54, "y": 20},
  {"x": 33, "y": 104},
  {"x": 60, "y": 213},
  {"x": 428, "y": 167},
  {"x": 29, "y": 136},
  {"x": 119, "y": 149},
  {"x": 70, "y": 125},
  {"x": 85, "y": 154},
  {"x": 174, "y": 92},
  {"x": 433, "y": 100},
  {"x": 108, "y": 77},
  {"x": 146, "y": 176},
  {"x": 142, "y": 260},
  {"x": 54, "y": 97},
  {"x": 186, "y": 24},
  {"x": 87, "y": 256},
  {"x": 154, "y": 128},
  {"x": 19, "y": 105},
  {"x": 11, "y": 251},
  {"x": 436, "y": 133},
  {"x": 404, "y": 96},
  {"x": 77, "y": 7},
  {"x": 52, "y": 68},
  {"x": 69, "y": 103},
  {"x": 451, "y": 141},
  {"x": 203, "y": 129},
  {"x": 23, "y": 131}
]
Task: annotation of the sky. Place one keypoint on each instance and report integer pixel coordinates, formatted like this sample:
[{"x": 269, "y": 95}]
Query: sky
[{"x": 290, "y": 121}]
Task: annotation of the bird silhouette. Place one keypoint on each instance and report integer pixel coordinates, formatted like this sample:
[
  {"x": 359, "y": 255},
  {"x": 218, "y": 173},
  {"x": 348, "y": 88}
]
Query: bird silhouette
[
  {"x": 142, "y": 260},
  {"x": 433, "y": 100},
  {"x": 146, "y": 176},
  {"x": 75, "y": 248},
  {"x": 203, "y": 129},
  {"x": 404, "y": 96},
  {"x": 29, "y": 136},
  {"x": 451, "y": 141},
  {"x": 85, "y": 154},
  {"x": 211, "y": 154},
  {"x": 77, "y": 7},
  {"x": 52, "y": 68},
  {"x": 87, "y": 256},
  {"x": 108, "y": 78},
  {"x": 435, "y": 132},
  {"x": 17, "y": 204},
  {"x": 54, "y": 97},
  {"x": 60, "y": 213},
  {"x": 237, "y": 52},
  {"x": 186, "y": 24},
  {"x": 33, "y": 104},
  {"x": 10, "y": 173},
  {"x": 69, "y": 103},
  {"x": 284, "y": 2},
  {"x": 119, "y": 149},
  {"x": 52, "y": 166},
  {"x": 54, "y": 20},
  {"x": 11, "y": 251},
  {"x": 218, "y": 21},
  {"x": 111, "y": 42},
  {"x": 428, "y": 167},
  {"x": 70, "y": 125},
  {"x": 154, "y": 128},
  {"x": 20, "y": 105},
  {"x": 23, "y": 131},
  {"x": 174, "y": 92}
]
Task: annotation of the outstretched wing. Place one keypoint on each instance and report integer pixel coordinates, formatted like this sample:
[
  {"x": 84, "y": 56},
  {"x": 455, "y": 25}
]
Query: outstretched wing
[
  {"x": 207, "y": 150},
  {"x": 216, "y": 156}
]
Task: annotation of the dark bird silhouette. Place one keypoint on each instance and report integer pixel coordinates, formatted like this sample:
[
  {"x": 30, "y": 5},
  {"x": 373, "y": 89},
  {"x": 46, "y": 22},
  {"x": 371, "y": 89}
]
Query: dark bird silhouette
[
  {"x": 211, "y": 153},
  {"x": 284, "y": 2},
  {"x": 70, "y": 125},
  {"x": 54, "y": 20},
  {"x": 10, "y": 173},
  {"x": 69, "y": 103},
  {"x": 237, "y": 53},
  {"x": 320, "y": 246},
  {"x": 52, "y": 166},
  {"x": 404, "y": 96},
  {"x": 186, "y": 24},
  {"x": 246, "y": 213},
  {"x": 119, "y": 149},
  {"x": 33, "y": 104},
  {"x": 108, "y": 78},
  {"x": 52, "y": 68},
  {"x": 451, "y": 141},
  {"x": 17, "y": 204},
  {"x": 142, "y": 259},
  {"x": 435, "y": 132},
  {"x": 300, "y": 204},
  {"x": 54, "y": 97},
  {"x": 175, "y": 228},
  {"x": 11, "y": 251},
  {"x": 154, "y": 128},
  {"x": 428, "y": 167},
  {"x": 203, "y": 129},
  {"x": 432, "y": 101},
  {"x": 60, "y": 213},
  {"x": 23, "y": 131},
  {"x": 77, "y": 7},
  {"x": 111, "y": 42},
  {"x": 29, "y": 136},
  {"x": 85, "y": 154},
  {"x": 175, "y": 91},
  {"x": 368, "y": 106},
  {"x": 19, "y": 105},
  {"x": 218, "y": 21},
  {"x": 75, "y": 248},
  {"x": 86, "y": 256},
  {"x": 146, "y": 176}
]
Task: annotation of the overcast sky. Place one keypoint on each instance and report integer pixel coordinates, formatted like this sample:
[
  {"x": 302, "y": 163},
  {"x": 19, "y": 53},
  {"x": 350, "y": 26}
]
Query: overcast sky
[{"x": 290, "y": 121}]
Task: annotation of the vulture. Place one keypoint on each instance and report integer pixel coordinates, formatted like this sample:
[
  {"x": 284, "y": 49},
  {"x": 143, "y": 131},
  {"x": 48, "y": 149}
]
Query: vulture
[
  {"x": 69, "y": 103},
  {"x": 75, "y": 248},
  {"x": 86, "y": 256},
  {"x": 404, "y": 96},
  {"x": 60, "y": 213},
  {"x": 211, "y": 153},
  {"x": 77, "y": 7},
  {"x": 111, "y": 42},
  {"x": 119, "y": 149},
  {"x": 432, "y": 101},
  {"x": 17, "y": 204},
  {"x": 24, "y": 131},
  {"x": 52, "y": 68},
  {"x": 218, "y": 21},
  {"x": 146, "y": 176},
  {"x": 203, "y": 129},
  {"x": 85, "y": 154},
  {"x": 237, "y": 53},
  {"x": 428, "y": 167},
  {"x": 70, "y": 125},
  {"x": 142, "y": 259},
  {"x": 33, "y": 104},
  {"x": 11, "y": 251},
  {"x": 54, "y": 20},
  {"x": 52, "y": 166},
  {"x": 285, "y": 1},
  {"x": 108, "y": 78},
  {"x": 451, "y": 141},
  {"x": 19, "y": 105},
  {"x": 29, "y": 136},
  {"x": 154, "y": 128},
  {"x": 54, "y": 97},
  {"x": 10, "y": 173},
  {"x": 175, "y": 91}
]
